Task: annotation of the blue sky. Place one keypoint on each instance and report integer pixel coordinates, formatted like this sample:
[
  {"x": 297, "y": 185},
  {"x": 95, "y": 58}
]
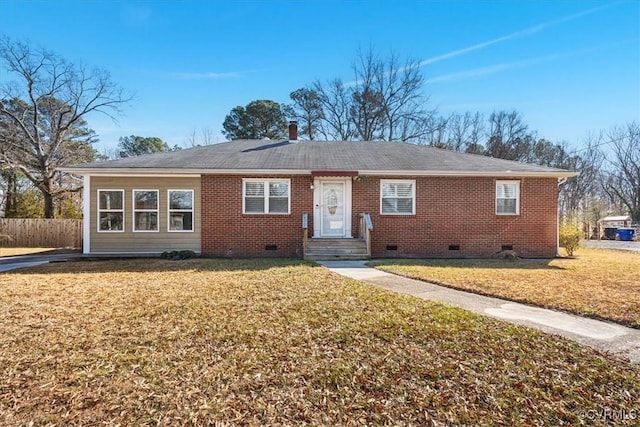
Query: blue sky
[{"x": 571, "y": 67}]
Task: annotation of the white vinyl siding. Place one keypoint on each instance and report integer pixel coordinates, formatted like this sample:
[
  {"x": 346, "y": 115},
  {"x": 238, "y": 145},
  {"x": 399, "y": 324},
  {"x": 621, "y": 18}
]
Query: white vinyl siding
[
  {"x": 111, "y": 211},
  {"x": 507, "y": 197},
  {"x": 180, "y": 210},
  {"x": 145, "y": 210},
  {"x": 270, "y": 196},
  {"x": 397, "y": 197}
]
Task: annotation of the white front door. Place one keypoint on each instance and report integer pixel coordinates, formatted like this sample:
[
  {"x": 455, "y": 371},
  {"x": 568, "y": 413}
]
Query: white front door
[{"x": 333, "y": 208}]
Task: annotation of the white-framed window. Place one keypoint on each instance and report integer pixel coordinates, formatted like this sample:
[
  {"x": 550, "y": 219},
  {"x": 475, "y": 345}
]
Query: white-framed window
[
  {"x": 397, "y": 197},
  {"x": 145, "y": 210},
  {"x": 507, "y": 197},
  {"x": 111, "y": 211},
  {"x": 180, "y": 210},
  {"x": 266, "y": 196}
]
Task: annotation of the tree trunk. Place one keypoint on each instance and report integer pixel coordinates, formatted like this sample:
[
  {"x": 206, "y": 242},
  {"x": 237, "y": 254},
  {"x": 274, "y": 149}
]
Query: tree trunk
[
  {"x": 11, "y": 193},
  {"x": 47, "y": 189},
  {"x": 48, "y": 205}
]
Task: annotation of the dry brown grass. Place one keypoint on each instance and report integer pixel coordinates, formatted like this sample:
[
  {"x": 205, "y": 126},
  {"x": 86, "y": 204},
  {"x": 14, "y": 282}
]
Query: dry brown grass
[
  {"x": 597, "y": 282},
  {"x": 201, "y": 342},
  {"x": 22, "y": 251}
]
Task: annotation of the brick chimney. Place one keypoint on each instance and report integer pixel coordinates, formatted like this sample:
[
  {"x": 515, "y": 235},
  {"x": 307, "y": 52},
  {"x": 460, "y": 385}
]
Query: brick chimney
[{"x": 293, "y": 130}]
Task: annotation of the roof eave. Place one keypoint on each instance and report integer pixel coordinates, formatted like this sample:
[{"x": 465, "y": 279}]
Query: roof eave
[
  {"x": 197, "y": 172},
  {"x": 500, "y": 174}
]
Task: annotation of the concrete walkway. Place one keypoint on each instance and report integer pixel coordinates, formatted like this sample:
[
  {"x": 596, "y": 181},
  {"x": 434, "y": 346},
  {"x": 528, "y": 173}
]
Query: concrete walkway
[
  {"x": 603, "y": 336},
  {"x": 22, "y": 261}
]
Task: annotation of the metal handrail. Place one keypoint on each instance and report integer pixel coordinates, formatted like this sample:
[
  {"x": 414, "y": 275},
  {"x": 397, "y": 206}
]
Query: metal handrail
[
  {"x": 305, "y": 233},
  {"x": 366, "y": 226},
  {"x": 368, "y": 222}
]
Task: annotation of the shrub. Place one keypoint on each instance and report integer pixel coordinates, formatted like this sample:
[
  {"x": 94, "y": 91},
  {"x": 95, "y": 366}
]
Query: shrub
[
  {"x": 186, "y": 254},
  {"x": 510, "y": 255},
  {"x": 569, "y": 238},
  {"x": 178, "y": 255}
]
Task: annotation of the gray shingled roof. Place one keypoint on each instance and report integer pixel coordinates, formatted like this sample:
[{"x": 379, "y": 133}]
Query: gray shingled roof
[{"x": 363, "y": 157}]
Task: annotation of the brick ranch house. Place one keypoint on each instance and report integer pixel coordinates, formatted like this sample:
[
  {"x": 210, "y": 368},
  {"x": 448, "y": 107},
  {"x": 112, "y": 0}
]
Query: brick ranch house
[{"x": 262, "y": 198}]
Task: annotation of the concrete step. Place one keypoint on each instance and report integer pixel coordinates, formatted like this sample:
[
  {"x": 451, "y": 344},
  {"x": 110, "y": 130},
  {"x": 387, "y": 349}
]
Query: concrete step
[
  {"x": 336, "y": 242},
  {"x": 335, "y": 252},
  {"x": 344, "y": 257},
  {"x": 336, "y": 249}
]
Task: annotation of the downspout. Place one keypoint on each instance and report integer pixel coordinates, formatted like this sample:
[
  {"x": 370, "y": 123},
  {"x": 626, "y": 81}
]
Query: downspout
[
  {"x": 86, "y": 214},
  {"x": 560, "y": 182}
]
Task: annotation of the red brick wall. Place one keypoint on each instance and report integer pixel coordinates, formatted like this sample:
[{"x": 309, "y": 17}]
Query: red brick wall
[
  {"x": 226, "y": 231},
  {"x": 461, "y": 211},
  {"x": 449, "y": 211}
]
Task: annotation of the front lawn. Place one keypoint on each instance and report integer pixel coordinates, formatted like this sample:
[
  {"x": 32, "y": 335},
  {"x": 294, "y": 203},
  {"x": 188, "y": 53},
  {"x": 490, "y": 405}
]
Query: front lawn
[
  {"x": 597, "y": 282},
  {"x": 219, "y": 342}
]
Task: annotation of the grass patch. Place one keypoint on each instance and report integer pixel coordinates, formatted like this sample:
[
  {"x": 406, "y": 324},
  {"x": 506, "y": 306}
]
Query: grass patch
[
  {"x": 197, "y": 342},
  {"x": 597, "y": 282}
]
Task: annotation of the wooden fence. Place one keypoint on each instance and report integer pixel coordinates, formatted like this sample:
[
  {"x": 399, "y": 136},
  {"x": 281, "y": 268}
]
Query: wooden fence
[{"x": 40, "y": 233}]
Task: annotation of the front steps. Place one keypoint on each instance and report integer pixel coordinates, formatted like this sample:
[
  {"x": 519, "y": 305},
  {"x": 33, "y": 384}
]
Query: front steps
[{"x": 336, "y": 249}]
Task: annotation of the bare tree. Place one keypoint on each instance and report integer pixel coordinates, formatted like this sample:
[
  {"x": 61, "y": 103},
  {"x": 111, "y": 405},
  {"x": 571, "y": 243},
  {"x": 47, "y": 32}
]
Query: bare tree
[
  {"x": 367, "y": 109},
  {"x": 432, "y": 131},
  {"x": 401, "y": 88},
  {"x": 464, "y": 131},
  {"x": 389, "y": 100},
  {"x": 335, "y": 99},
  {"x": 48, "y": 105},
  {"x": 307, "y": 108},
  {"x": 367, "y": 114},
  {"x": 624, "y": 166},
  {"x": 10, "y": 190},
  {"x": 386, "y": 101},
  {"x": 579, "y": 193},
  {"x": 508, "y": 135},
  {"x": 205, "y": 136},
  {"x": 9, "y": 135}
]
